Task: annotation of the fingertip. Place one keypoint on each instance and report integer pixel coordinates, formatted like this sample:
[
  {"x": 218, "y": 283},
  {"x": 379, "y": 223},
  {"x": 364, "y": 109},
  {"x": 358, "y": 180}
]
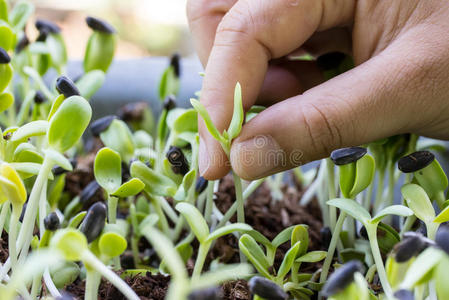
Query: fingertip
[{"x": 212, "y": 162}]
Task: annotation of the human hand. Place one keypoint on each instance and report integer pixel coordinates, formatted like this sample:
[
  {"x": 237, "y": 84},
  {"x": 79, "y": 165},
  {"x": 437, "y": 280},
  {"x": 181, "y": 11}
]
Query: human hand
[{"x": 400, "y": 83}]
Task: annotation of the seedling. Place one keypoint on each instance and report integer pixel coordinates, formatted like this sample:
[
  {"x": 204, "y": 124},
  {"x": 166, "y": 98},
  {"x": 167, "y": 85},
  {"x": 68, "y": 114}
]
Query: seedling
[
  {"x": 266, "y": 289},
  {"x": 101, "y": 45}
]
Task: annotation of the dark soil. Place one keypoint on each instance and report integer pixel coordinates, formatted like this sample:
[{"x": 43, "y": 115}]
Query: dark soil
[{"x": 4, "y": 253}]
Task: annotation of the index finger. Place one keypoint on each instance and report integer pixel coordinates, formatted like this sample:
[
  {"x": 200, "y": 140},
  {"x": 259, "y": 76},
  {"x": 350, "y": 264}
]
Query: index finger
[{"x": 249, "y": 35}]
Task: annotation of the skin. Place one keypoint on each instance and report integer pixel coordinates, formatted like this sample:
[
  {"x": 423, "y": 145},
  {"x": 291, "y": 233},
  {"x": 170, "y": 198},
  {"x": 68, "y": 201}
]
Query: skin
[{"x": 400, "y": 83}]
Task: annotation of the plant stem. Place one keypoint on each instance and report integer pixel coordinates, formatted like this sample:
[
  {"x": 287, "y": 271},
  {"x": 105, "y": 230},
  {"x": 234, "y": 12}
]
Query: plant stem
[
  {"x": 330, "y": 171},
  {"x": 239, "y": 198},
  {"x": 209, "y": 201},
  {"x": 372, "y": 236},
  {"x": 440, "y": 198},
  {"x": 432, "y": 229},
  {"x": 26, "y": 230},
  {"x": 408, "y": 224},
  {"x": 379, "y": 190},
  {"x": 200, "y": 259},
  {"x": 3, "y": 214},
  {"x": 112, "y": 209},
  {"x": 332, "y": 246},
  {"x": 92, "y": 283},
  {"x": 113, "y": 278},
  {"x": 42, "y": 210},
  {"x": 35, "y": 286},
  {"x": 15, "y": 215},
  {"x": 50, "y": 284}
]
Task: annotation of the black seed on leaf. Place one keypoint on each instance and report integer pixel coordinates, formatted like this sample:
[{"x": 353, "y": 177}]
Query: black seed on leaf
[
  {"x": 22, "y": 214},
  {"x": 4, "y": 56},
  {"x": 43, "y": 34},
  {"x": 57, "y": 170},
  {"x": 326, "y": 236},
  {"x": 65, "y": 86},
  {"x": 174, "y": 62},
  {"x": 89, "y": 192},
  {"x": 65, "y": 296},
  {"x": 267, "y": 289},
  {"x": 404, "y": 295},
  {"x": 415, "y": 161},
  {"x": 22, "y": 44},
  {"x": 39, "y": 97},
  {"x": 132, "y": 111},
  {"x": 48, "y": 26},
  {"x": 346, "y": 156},
  {"x": 411, "y": 245},
  {"x": 51, "y": 222},
  {"x": 201, "y": 184},
  {"x": 442, "y": 238},
  {"x": 213, "y": 293},
  {"x": 330, "y": 60},
  {"x": 100, "y": 125},
  {"x": 341, "y": 278},
  {"x": 94, "y": 221},
  {"x": 169, "y": 103},
  {"x": 99, "y": 25},
  {"x": 177, "y": 160}
]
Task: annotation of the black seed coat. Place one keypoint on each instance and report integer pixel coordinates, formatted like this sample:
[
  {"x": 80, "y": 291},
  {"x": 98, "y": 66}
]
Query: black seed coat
[
  {"x": 341, "y": 278},
  {"x": 94, "y": 221},
  {"x": 4, "y": 56},
  {"x": 411, "y": 245},
  {"x": 169, "y": 103},
  {"x": 326, "y": 236},
  {"x": 415, "y": 161},
  {"x": 404, "y": 295},
  {"x": 65, "y": 86},
  {"x": 99, "y": 25},
  {"x": 174, "y": 62},
  {"x": 48, "y": 26},
  {"x": 177, "y": 160},
  {"x": 101, "y": 125},
  {"x": 346, "y": 156},
  {"x": 201, "y": 184},
  {"x": 88, "y": 192},
  {"x": 330, "y": 60},
  {"x": 267, "y": 289},
  {"x": 39, "y": 97},
  {"x": 442, "y": 238},
  {"x": 51, "y": 222},
  {"x": 57, "y": 170},
  {"x": 22, "y": 44}
]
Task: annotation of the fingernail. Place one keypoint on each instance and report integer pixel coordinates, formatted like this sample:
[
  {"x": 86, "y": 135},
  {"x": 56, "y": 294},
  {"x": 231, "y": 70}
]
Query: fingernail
[
  {"x": 203, "y": 159},
  {"x": 257, "y": 157}
]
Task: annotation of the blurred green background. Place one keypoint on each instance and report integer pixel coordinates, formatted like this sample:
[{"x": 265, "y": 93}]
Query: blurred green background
[{"x": 146, "y": 27}]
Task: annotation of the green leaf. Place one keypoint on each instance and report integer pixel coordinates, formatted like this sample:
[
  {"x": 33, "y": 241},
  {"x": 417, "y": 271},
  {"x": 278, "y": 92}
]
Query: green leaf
[
  {"x": 199, "y": 107},
  {"x": 58, "y": 159},
  {"x": 283, "y": 236},
  {"x": 5, "y": 75},
  {"x": 187, "y": 182},
  {"x": 288, "y": 261},
  {"x": 108, "y": 169},
  {"x": 443, "y": 216},
  {"x": 364, "y": 174},
  {"x": 69, "y": 123},
  {"x": 398, "y": 210},
  {"x": 418, "y": 201},
  {"x": 238, "y": 115},
  {"x": 432, "y": 178},
  {"x": 7, "y": 36},
  {"x": 236, "y": 227},
  {"x": 440, "y": 276},
  {"x": 130, "y": 188},
  {"x": 347, "y": 176},
  {"x": 20, "y": 14},
  {"x": 313, "y": 256},
  {"x": 421, "y": 267},
  {"x": 90, "y": 83},
  {"x": 254, "y": 253},
  {"x": 77, "y": 219},
  {"x": 300, "y": 234},
  {"x": 169, "y": 84},
  {"x": 28, "y": 169},
  {"x": 182, "y": 120},
  {"x": 56, "y": 104},
  {"x": 148, "y": 222},
  {"x": 27, "y": 152},
  {"x": 352, "y": 208},
  {"x": 112, "y": 244},
  {"x": 57, "y": 50},
  {"x": 4, "y": 10},
  {"x": 6, "y": 100},
  {"x": 119, "y": 138},
  {"x": 34, "y": 128},
  {"x": 195, "y": 220},
  {"x": 155, "y": 183},
  {"x": 72, "y": 243},
  {"x": 99, "y": 52}
]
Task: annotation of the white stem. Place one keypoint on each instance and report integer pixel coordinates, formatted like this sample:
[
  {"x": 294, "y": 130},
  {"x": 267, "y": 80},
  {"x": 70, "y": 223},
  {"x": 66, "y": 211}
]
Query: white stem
[
  {"x": 113, "y": 278},
  {"x": 3, "y": 214},
  {"x": 51, "y": 285},
  {"x": 42, "y": 210}
]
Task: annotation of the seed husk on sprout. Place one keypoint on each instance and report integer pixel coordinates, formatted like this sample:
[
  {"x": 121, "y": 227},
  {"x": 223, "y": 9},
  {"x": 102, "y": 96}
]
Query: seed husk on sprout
[
  {"x": 267, "y": 289},
  {"x": 213, "y": 293},
  {"x": 4, "y": 57},
  {"x": 97, "y": 24},
  {"x": 94, "y": 221},
  {"x": 51, "y": 222},
  {"x": 100, "y": 125},
  {"x": 67, "y": 87},
  {"x": 415, "y": 161},
  {"x": 348, "y": 155},
  {"x": 341, "y": 278}
]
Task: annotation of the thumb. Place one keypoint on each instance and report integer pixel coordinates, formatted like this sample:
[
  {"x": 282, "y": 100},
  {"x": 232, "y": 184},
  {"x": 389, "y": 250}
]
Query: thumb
[{"x": 369, "y": 102}]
